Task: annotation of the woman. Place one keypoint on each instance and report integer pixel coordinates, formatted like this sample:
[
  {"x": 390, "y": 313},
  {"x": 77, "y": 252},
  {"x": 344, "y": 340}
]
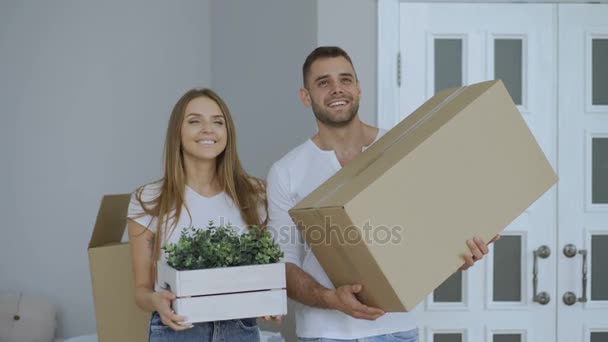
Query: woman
[{"x": 203, "y": 181}]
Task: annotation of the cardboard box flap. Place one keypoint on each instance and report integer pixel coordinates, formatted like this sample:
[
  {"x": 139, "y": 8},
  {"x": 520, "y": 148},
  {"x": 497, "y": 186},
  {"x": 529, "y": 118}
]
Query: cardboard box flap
[
  {"x": 336, "y": 191},
  {"x": 111, "y": 220}
]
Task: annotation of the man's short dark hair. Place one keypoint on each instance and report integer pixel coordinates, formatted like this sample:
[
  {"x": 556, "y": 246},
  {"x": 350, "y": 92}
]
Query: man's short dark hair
[{"x": 323, "y": 52}]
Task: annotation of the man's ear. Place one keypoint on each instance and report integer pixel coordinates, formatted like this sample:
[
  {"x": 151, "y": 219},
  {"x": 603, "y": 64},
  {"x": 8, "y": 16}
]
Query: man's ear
[{"x": 305, "y": 97}]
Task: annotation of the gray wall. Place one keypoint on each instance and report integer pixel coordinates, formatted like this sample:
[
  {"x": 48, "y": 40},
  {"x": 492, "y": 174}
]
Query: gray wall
[
  {"x": 258, "y": 48},
  {"x": 352, "y": 25},
  {"x": 85, "y": 92}
]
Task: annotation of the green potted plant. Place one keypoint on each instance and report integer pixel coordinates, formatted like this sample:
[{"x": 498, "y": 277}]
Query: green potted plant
[{"x": 216, "y": 268}]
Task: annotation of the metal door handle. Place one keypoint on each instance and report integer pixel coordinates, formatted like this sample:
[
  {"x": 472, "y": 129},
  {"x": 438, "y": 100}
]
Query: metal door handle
[
  {"x": 543, "y": 297},
  {"x": 569, "y": 297}
]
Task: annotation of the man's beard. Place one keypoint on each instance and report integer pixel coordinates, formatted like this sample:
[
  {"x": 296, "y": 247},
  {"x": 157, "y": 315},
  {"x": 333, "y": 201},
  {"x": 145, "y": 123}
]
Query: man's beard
[{"x": 326, "y": 118}]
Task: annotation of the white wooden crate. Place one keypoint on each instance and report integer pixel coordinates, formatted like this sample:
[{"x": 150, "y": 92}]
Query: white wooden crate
[
  {"x": 226, "y": 293},
  {"x": 232, "y": 306}
]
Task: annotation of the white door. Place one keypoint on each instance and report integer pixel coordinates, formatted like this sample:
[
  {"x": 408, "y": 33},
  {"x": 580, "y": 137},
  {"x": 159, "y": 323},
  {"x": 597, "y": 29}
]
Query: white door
[
  {"x": 583, "y": 170},
  {"x": 554, "y": 61},
  {"x": 447, "y": 45}
]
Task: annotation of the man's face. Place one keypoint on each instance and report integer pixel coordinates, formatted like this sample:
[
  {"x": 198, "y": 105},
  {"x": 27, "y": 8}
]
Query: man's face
[{"x": 332, "y": 91}]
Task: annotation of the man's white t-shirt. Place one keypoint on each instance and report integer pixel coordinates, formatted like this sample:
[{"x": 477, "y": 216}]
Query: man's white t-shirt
[
  {"x": 291, "y": 179},
  {"x": 219, "y": 208}
]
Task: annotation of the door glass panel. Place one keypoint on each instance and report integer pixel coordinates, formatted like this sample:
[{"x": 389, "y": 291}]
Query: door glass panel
[
  {"x": 508, "y": 66},
  {"x": 452, "y": 337},
  {"x": 599, "y": 265},
  {"x": 451, "y": 290},
  {"x": 507, "y": 269},
  {"x": 599, "y": 71},
  {"x": 507, "y": 338},
  {"x": 599, "y": 336},
  {"x": 599, "y": 167},
  {"x": 448, "y": 63}
]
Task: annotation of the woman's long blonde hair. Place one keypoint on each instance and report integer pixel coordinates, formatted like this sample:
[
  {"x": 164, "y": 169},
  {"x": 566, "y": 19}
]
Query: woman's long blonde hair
[{"x": 247, "y": 193}]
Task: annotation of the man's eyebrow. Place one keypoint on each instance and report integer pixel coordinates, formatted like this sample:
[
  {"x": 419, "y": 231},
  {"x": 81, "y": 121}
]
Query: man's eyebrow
[
  {"x": 321, "y": 78},
  {"x": 343, "y": 74}
]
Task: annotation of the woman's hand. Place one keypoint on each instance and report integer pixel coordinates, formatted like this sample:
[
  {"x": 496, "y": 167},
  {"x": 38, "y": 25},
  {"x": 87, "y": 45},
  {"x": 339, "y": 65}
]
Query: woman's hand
[
  {"x": 274, "y": 319},
  {"x": 162, "y": 303}
]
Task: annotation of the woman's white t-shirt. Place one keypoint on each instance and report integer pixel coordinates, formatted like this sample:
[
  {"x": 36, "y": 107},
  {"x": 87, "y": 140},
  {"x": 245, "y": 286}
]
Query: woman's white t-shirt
[{"x": 219, "y": 208}]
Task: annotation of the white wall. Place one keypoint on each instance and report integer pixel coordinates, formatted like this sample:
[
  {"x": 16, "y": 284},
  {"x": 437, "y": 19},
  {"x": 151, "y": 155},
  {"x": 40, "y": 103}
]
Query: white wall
[
  {"x": 85, "y": 93},
  {"x": 352, "y": 25}
]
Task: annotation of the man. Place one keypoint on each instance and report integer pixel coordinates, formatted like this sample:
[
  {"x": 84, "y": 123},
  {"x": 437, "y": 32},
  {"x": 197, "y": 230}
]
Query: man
[{"x": 325, "y": 313}]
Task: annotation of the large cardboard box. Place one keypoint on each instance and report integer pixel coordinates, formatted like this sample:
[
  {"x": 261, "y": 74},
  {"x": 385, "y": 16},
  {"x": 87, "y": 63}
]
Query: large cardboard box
[
  {"x": 395, "y": 219},
  {"x": 118, "y": 317},
  {"x": 226, "y": 293}
]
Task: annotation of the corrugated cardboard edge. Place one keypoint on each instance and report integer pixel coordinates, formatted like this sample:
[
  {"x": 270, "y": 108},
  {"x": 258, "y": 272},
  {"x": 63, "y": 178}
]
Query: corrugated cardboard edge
[
  {"x": 105, "y": 239},
  {"x": 360, "y": 250},
  {"x": 129, "y": 323},
  {"x": 364, "y": 260},
  {"x": 111, "y": 220}
]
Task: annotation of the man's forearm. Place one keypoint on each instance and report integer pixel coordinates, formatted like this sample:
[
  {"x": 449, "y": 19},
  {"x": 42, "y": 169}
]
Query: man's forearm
[{"x": 305, "y": 289}]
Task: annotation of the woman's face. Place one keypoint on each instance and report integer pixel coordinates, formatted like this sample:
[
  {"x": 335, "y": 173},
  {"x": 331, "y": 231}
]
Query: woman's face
[{"x": 204, "y": 133}]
